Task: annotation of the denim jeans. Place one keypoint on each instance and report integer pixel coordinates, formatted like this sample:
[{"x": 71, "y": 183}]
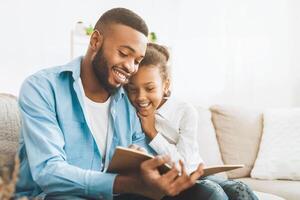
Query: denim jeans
[
  {"x": 235, "y": 190},
  {"x": 207, "y": 188},
  {"x": 203, "y": 190}
]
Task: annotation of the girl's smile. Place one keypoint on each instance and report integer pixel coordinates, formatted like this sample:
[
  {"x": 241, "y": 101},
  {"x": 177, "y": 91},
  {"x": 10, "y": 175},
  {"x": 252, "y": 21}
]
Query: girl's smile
[{"x": 146, "y": 89}]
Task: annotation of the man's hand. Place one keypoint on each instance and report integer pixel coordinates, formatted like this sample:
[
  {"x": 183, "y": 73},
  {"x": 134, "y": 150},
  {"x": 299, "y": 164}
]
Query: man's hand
[
  {"x": 150, "y": 183},
  {"x": 171, "y": 183}
]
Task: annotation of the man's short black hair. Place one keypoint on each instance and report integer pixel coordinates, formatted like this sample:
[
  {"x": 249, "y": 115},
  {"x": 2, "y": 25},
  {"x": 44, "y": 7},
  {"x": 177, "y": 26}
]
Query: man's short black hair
[{"x": 122, "y": 16}]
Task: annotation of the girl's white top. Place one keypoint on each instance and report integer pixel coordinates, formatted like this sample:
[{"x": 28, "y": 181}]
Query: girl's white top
[{"x": 176, "y": 123}]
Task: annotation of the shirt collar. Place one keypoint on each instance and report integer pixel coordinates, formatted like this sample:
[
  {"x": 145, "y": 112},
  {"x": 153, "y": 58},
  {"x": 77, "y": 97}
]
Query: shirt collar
[
  {"x": 167, "y": 109},
  {"x": 74, "y": 67},
  {"x": 119, "y": 94}
]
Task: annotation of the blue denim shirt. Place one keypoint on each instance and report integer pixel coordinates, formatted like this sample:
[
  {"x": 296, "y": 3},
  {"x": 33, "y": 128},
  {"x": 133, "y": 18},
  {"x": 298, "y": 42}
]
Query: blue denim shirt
[{"x": 57, "y": 150}]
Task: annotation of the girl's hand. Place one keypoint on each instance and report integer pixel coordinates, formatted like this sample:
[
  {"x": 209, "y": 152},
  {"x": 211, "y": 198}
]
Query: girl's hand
[{"x": 148, "y": 124}]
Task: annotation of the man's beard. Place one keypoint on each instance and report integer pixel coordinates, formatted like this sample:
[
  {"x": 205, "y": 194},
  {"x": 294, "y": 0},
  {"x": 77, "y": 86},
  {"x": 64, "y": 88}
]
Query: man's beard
[{"x": 101, "y": 70}]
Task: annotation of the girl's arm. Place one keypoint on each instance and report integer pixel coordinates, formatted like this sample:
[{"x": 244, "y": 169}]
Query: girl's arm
[{"x": 186, "y": 148}]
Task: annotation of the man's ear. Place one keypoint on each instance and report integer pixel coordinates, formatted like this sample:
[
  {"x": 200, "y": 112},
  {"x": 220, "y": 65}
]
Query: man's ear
[{"x": 96, "y": 40}]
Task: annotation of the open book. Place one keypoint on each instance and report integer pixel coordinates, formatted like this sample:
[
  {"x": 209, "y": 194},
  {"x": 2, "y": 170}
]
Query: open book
[{"x": 126, "y": 160}]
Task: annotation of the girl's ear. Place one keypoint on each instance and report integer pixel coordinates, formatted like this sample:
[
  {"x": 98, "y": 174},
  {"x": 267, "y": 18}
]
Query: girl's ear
[
  {"x": 167, "y": 88},
  {"x": 96, "y": 40}
]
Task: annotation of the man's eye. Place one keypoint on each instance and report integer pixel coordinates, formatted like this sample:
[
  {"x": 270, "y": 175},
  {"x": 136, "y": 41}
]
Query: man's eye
[
  {"x": 150, "y": 89},
  {"x": 122, "y": 54},
  {"x": 137, "y": 62}
]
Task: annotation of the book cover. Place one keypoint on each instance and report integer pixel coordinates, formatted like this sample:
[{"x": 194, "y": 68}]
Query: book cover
[{"x": 126, "y": 160}]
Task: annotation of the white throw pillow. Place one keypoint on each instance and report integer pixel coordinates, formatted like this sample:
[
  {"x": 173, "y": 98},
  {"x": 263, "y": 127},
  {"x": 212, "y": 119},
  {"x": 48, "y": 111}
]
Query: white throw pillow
[
  {"x": 266, "y": 196},
  {"x": 279, "y": 153}
]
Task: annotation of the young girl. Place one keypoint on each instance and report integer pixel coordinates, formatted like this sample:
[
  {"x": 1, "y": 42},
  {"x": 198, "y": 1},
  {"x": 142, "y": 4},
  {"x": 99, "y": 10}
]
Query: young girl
[{"x": 172, "y": 125}]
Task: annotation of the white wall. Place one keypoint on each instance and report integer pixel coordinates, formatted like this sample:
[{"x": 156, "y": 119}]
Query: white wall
[
  {"x": 36, "y": 34},
  {"x": 295, "y": 46},
  {"x": 237, "y": 52},
  {"x": 240, "y": 54}
]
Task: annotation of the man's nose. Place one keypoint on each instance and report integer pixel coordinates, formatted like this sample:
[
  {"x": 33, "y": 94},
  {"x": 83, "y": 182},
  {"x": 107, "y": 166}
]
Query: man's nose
[{"x": 131, "y": 66}]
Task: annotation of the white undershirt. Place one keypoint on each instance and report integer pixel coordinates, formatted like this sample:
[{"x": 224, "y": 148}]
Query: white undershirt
[{"x": 97, "y": 119}]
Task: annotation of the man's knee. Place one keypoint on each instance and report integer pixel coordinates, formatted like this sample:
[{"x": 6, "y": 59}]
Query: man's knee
[
  {"x": 209, "y": 190},
  {"x": 238, "y": 190}
]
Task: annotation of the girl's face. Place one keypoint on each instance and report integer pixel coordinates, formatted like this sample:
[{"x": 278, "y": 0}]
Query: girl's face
[{"x": 146, "y": 89}]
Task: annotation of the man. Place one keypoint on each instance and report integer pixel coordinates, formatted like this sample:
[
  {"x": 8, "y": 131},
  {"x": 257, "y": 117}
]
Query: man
[{"x": 75, "y": 115}]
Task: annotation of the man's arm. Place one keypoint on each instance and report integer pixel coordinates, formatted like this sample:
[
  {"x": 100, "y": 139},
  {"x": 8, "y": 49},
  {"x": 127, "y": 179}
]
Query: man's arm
[{"x": 44, "y": 143}]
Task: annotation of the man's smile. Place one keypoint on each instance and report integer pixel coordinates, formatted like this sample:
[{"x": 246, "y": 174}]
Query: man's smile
[{"x": 120, "y": 75}]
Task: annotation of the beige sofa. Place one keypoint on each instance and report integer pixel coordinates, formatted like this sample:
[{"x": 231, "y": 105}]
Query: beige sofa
[
  {"x": 220, "y": 122},
  {"x": 9, "y": 131},
  {"x": 232, "y": 135}
]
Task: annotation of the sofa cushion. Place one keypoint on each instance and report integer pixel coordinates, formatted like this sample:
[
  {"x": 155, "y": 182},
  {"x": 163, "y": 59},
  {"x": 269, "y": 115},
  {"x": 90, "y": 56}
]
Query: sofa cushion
[
  {"x": 267, "y": 196},
  {"x": 238, "y": 132},
  {"x": 207, "y": 141},
  {"x": 279, "y": 152},
  {"x": 9, "y": 129},
  {"x": 287, "y": 189}
]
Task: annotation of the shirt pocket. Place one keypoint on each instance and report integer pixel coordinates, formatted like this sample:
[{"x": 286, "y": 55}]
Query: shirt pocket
[{"x": 75, "y": 140}]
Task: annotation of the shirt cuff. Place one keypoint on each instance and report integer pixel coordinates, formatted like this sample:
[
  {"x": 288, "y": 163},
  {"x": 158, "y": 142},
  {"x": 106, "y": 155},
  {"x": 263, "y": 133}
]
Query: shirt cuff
[{"x": 100, "y": 184}]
